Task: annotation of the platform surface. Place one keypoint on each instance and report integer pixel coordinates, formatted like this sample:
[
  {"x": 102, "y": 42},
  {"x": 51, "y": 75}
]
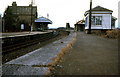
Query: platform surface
[
  {"x": 24, "y": 65},
  {"x": 15, "y": 34}
]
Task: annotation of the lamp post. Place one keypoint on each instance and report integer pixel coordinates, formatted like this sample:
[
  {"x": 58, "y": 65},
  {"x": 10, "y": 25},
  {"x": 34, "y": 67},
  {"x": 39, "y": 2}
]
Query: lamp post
[
  {"x": 89, "y": 30},
  {"x": 31, "y": 13}
]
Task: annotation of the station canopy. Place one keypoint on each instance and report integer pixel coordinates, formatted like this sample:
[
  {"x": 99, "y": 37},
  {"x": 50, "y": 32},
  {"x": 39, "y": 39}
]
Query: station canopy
[{"x": 43, "y": 20}]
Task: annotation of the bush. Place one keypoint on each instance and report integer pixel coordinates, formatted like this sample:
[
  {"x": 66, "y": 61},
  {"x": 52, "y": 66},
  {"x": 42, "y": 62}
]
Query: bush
[
  {"x": 113, "y": 34},
  {"x": 98, "y": 32}
]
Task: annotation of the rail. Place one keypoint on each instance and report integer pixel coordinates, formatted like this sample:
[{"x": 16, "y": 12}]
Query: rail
[{"x": 27, "y": 41}]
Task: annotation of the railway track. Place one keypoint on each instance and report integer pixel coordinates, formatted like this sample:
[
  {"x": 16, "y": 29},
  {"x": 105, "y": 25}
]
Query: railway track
[
  {"x": 10, "y": 48},
  {"x": 17, "y": 49}
]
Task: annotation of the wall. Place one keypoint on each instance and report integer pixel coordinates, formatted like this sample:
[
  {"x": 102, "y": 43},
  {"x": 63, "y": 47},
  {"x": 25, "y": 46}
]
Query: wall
[
  {"x": 106, "y": 22},
  {"x": 7, "y": 41}
]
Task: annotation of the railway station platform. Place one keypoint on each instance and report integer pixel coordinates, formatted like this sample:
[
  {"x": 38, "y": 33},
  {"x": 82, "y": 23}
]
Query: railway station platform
[
  {"x": 18, "y": 38},
  {"x": 15, "y": 34},
  {"x": 27, "y": 64}
]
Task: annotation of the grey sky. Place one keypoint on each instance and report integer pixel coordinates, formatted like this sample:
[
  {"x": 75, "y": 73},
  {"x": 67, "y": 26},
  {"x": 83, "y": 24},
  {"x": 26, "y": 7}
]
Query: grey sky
[{"x": 63, "y": 11}]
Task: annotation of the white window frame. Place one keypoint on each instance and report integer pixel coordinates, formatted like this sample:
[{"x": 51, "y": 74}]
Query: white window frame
[{"x": 95, "y": 21}]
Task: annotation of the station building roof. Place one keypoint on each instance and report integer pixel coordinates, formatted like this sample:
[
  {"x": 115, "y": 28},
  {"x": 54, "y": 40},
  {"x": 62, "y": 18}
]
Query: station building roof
[
  {"x": 98, "y": 9},
  {"x": 43, "y": 20},
  {"x": 81, "y": 22}
]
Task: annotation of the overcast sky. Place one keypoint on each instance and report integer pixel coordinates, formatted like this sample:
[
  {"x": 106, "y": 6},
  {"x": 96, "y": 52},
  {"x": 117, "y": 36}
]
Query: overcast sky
[{"x": 63, "y": 11}]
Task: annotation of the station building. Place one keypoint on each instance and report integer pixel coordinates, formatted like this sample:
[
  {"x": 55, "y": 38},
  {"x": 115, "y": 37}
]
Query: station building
[
  {"x": 41, "y": 24},
  {"x": 19, "y": 18},
  {"x": 101, "y": 19},
  {"x": 80, "y": 25}
]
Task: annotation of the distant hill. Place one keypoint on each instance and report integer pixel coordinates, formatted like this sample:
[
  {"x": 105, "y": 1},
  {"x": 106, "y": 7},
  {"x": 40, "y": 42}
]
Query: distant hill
[{"x": 52, "y": 28}]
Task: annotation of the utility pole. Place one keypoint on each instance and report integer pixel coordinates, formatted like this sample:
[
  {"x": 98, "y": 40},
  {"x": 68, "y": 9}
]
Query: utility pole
[
  {"x": 89, "y": 30},
  {"x": 31, "y": 13}
]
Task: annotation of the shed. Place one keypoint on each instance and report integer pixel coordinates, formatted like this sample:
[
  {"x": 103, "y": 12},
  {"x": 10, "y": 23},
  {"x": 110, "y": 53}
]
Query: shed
[
  {"x": 80, "y": 25},
  {"x": 41, "y": 24}
]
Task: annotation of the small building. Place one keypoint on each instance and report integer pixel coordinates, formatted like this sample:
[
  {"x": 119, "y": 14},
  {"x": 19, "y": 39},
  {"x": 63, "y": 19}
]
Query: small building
[
  {"x": 41, "y": 24},
  {"x": 67, "y": 26},
  {"x": 80, "y": 25},
  {"x": 15, "y": 16},
  {"x": 101, "y": 19}
]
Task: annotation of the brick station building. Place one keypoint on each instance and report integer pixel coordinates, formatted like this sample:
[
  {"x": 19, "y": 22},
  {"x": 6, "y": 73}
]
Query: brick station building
[{"x": 15, "y": 16}]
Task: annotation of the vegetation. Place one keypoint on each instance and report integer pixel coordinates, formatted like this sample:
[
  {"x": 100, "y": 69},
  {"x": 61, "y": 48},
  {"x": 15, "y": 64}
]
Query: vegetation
[
  {"x": 113, "y": 34},
  {"x": 59, "y": 57}
]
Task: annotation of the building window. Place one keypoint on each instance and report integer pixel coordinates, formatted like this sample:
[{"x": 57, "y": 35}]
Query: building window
[{"x": 96, "y": 20}]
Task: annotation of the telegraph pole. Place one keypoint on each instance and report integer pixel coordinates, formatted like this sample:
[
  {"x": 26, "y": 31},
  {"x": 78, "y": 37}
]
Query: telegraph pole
[
  {"x": 31, "y": 13},
  {"x": 89, "y": 30}
]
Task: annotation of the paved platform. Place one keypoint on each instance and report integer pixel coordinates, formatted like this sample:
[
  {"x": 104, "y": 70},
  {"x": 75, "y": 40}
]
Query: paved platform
[
  {"x": 23, "y": 70},
  {"x": 15, "y": 34},
  {"x": 42, "y": 56},
  {"x": 90, "y": 55}
]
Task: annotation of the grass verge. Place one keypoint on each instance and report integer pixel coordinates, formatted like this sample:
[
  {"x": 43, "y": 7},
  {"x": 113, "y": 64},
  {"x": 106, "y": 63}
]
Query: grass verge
[{"x": 59, "y": 57}]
